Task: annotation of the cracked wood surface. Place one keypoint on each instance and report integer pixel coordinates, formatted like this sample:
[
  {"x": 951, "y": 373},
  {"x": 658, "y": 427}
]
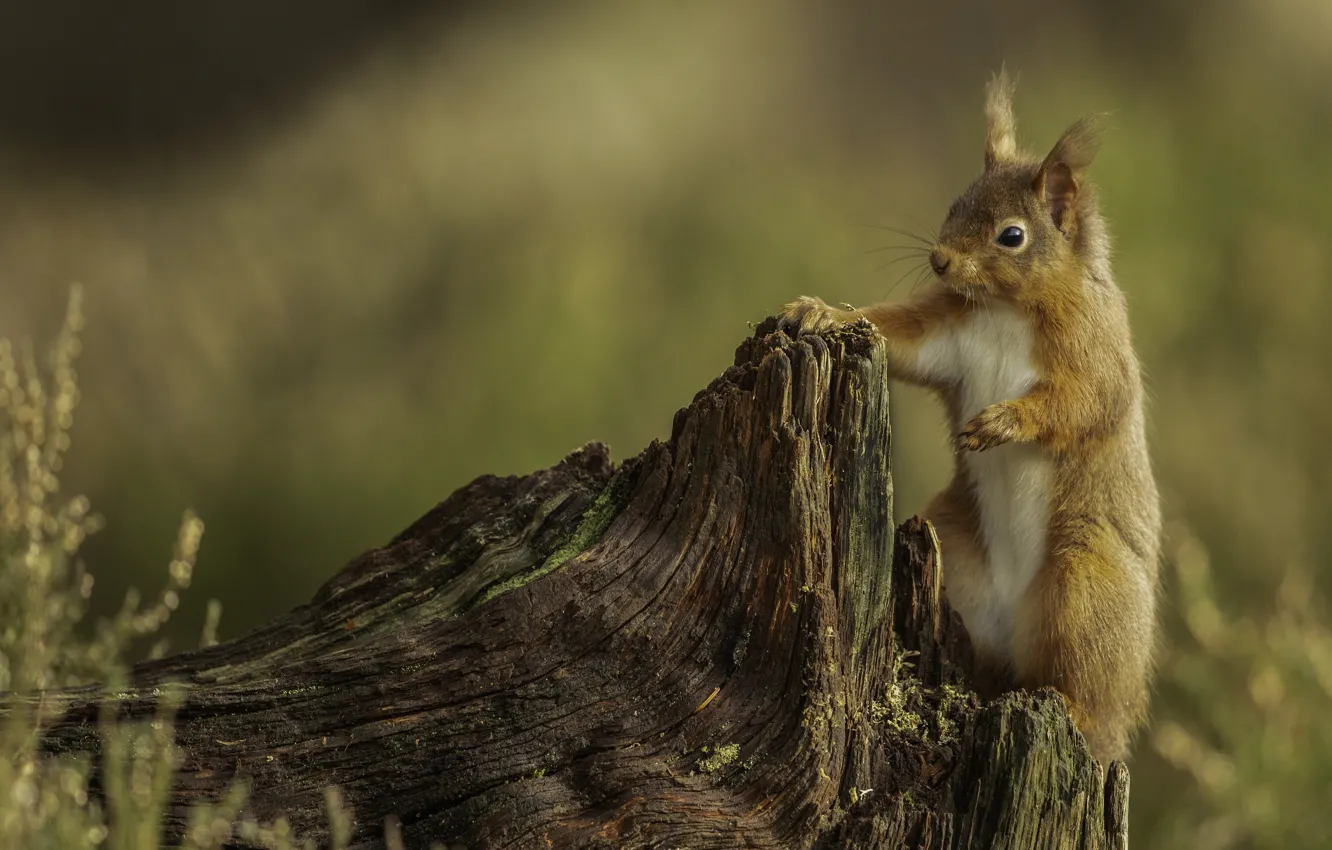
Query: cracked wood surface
[{"x": 722, "y": 642}]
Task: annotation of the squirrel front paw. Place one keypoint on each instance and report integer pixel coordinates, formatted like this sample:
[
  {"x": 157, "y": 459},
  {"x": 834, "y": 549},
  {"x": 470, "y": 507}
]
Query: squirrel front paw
[
  {"x": 811, "y": 315},
  {"x": 995, "y": 425}
]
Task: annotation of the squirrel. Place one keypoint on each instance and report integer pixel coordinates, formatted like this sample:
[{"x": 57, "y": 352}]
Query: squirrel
[{"x": 1049, "y": 530}]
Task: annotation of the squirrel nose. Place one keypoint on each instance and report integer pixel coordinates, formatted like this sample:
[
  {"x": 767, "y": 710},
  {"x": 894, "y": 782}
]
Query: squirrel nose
[{"x": 939, "y": 261}]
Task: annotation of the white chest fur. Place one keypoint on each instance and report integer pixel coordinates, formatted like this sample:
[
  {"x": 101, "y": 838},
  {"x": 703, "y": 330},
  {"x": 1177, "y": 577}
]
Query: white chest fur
[{"x": 990, "y": 355}]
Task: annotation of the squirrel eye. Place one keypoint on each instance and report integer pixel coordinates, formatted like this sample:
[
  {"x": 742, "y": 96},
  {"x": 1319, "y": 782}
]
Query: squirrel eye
[{"x": 1011, "y": 237}]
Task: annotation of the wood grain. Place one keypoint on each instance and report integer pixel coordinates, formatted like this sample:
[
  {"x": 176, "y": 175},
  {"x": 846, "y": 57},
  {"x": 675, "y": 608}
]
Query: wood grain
[{"x": 722, "y": 642}]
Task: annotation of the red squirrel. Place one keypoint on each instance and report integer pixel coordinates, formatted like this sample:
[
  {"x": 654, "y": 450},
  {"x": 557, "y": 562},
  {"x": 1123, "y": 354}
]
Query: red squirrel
[{"x": 1050, "y": 528}]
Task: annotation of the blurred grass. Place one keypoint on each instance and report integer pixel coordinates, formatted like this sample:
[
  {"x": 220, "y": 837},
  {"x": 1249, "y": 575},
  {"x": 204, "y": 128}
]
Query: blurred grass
[
  {"x": 48, "y": 801},
  {"x": 487, "y": 242}
]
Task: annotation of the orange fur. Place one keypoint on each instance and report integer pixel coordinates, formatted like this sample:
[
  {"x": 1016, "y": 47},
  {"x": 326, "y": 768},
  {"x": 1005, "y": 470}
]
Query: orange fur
[{"x": 1050, "y": 527}]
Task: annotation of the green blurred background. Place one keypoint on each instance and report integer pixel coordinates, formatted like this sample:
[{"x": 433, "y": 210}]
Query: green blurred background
[{"x": 341, "y": 257}]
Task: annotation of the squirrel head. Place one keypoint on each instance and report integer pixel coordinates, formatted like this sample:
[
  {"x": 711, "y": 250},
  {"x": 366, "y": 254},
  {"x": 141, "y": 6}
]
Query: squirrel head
[{"x": 1026, "y": 224}]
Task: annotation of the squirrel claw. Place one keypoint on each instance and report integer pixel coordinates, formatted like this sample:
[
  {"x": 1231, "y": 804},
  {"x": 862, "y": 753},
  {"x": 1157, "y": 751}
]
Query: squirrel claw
[{"x": 968, "y": 441}]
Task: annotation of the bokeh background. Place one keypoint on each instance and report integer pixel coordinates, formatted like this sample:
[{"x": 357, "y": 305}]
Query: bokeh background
[{"x": 341, "y": 257}]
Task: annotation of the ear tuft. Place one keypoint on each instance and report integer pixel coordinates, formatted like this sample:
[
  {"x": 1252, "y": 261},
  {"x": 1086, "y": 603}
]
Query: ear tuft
[
  {"x": 1078, "y": 146},
  {"x": 1000, "y": 126}
]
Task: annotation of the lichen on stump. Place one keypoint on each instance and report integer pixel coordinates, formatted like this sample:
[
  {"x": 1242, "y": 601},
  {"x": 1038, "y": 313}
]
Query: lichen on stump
[{"x": 722, "y": 642}]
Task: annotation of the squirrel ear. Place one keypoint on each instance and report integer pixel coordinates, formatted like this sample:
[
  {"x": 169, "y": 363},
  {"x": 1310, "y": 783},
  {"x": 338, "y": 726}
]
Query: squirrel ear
[
  {"x": 1000, "y": 126},
  {"x": 1057, "y": 180},
  {"x": 1058, "y": 186}
]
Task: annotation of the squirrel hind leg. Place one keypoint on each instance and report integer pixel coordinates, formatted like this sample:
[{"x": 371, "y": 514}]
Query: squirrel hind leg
[{"x": 1087, "y": 633}]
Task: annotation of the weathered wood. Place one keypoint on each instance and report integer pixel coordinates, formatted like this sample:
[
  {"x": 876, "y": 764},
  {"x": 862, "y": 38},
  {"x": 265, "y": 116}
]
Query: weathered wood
[{"x": 716, "y": 644}]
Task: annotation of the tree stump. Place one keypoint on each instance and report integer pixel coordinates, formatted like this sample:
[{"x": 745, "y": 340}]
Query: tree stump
[{"x": 722, "y": 642}]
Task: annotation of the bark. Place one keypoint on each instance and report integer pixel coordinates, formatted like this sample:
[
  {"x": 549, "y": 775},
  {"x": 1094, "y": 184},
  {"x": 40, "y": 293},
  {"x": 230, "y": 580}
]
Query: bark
[{"x": 722, "y": 642}]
